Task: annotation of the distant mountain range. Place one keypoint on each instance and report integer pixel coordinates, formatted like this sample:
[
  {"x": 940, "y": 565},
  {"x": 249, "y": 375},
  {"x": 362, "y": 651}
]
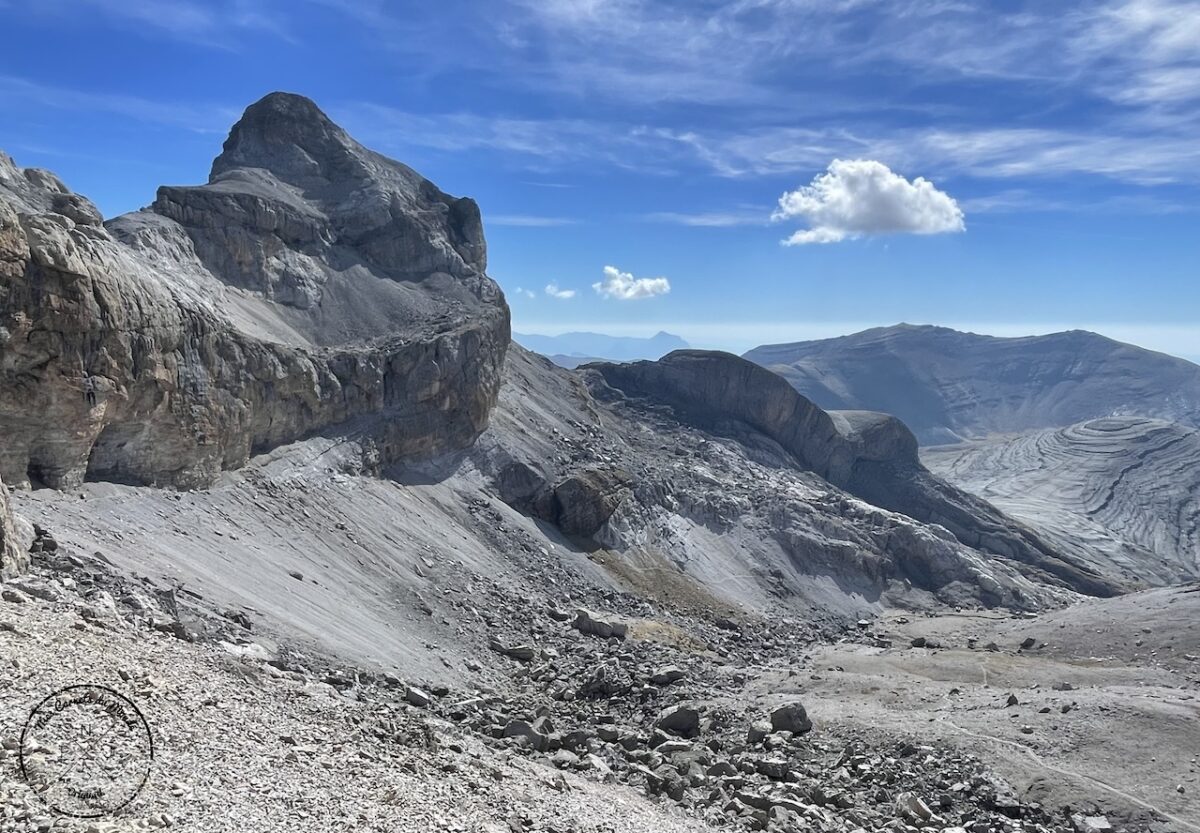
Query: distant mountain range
[
  {"x": 949, "y": 386},
  {"x": 573, "y": 349}
]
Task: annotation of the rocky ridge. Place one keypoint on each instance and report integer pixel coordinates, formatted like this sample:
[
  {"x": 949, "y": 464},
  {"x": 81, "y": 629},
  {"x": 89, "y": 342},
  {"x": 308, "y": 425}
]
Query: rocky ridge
[
  {"x": 949, "y": 386},
  {"x": 311, "y": 285},
  {"x": 870, "y": 455}
]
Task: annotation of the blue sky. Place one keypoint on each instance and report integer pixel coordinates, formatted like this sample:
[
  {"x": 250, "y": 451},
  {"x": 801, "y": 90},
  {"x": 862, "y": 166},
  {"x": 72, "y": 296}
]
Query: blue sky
[{"x": 1008, "y": 167}]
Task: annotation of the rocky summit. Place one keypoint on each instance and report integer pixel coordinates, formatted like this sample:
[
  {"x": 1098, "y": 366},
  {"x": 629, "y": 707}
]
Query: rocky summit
[
  {"x": 311, "y": 285},
  {"x": 273, "y": 473}
]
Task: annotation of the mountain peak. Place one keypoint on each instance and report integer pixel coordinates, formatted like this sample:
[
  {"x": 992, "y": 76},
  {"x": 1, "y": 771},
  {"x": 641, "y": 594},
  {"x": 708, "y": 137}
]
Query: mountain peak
[{"x": 288, "y": 135}]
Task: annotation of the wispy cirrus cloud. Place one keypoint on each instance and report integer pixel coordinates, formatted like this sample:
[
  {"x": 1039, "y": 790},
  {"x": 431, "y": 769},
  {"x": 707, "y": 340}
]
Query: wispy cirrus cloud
[
  {"x": 741, "y": 216},
  {"x": 529, "y": 221},
  {"x": 216, "y": 23},
  {"x": 19, "y": 93}
]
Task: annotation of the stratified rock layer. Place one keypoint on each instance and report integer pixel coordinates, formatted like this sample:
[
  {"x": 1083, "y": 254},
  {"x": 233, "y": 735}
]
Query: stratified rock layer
[
  {"x": 949, "y": 386},
  {"x": 312, "y": 285},
  {"x": 1121, "y": 495},
  {"x": 871, "y": 455}
]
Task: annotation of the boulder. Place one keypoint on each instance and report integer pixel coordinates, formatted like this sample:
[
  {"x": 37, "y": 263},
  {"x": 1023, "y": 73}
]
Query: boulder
[
  {"x": 416, "y": 697},
  {"x": 681, "y": 721},
  {"x": 584, "y": 501},
  {"x": 598, "y": 624},
  {"x": 790, "y": 717},
  {"x": 668, "y": 675}
]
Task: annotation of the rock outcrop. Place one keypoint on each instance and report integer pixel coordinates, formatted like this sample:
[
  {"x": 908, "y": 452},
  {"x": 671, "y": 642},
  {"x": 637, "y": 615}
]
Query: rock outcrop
[
  {"x": 948, "y": 386},
  {"x": 14, "y": 549},
  {"x": 311, "y": 285},
  {"x": 873, "y": 456}
]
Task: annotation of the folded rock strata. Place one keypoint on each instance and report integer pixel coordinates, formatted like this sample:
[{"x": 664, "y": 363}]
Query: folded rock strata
[{"x": 1120, "y": 494}]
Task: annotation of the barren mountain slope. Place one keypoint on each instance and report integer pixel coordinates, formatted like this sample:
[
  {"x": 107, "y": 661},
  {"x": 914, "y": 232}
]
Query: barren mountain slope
[
  {"x": 664, "y": 513},
  {"x": 1120, "y": 494},
  {"x": 948, "y": 386}
]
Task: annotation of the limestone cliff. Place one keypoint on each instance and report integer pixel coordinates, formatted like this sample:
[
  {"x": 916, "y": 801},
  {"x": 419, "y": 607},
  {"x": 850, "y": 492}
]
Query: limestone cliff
[{"x": 311, "y": 285}]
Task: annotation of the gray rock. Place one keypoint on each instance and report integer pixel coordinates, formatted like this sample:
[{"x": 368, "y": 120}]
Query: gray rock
[
  {"x": 598, "y": 624},
  {"x": 871, "y": 455},
  {"x": 584, "y": 502},
  {"x": 417, "y": 697},
  {"x": 309, "y": 283},
  {"x": 791, "y": 717},
  {"x": 1091, "y": 824},
  {"x": 14, "y": 550},
  {"x": 668, "y": 675},
  {"x": 682, "y": 721}
]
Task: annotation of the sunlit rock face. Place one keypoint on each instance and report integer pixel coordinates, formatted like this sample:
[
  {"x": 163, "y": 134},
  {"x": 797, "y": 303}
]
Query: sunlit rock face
[
  {"x": 1121, "y": 494},
  {"x": 311, "y": 285}
]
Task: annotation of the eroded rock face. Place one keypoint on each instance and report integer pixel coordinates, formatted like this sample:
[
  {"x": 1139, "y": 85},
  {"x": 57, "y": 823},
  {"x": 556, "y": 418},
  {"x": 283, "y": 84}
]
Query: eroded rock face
[
  {"x": 14, "y": 551},
  {"x": 582, "y": 503},
  {"x": 1121, "y": 494},
  {"x": 311, "y": 285},
  {"x": 872, "y": 456}
]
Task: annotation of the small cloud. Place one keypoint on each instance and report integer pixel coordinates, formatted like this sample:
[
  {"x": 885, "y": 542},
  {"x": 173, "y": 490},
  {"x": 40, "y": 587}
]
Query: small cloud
[
  {"x": 860, "y": 197},
  {"x": 528, "y": 293},
  {"x": 562, "y": 294},
  {"x": 711, "y": 219},
  {"x": 625, "y": 287},
  {"x": 529, "y": 221}
]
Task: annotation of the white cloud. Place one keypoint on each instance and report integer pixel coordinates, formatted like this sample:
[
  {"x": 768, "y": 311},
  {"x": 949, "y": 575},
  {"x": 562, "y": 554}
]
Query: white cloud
[
  {"x": 860, "y": 197},
  {"x": 625, "y": 287},
  {"x": 18, "y": 93},
  {"x": 561, "y": 294},
  {"x": 528, "y": 221},
  {"x": 528, "y": 293},
  {"x": 712, "y": 219}
]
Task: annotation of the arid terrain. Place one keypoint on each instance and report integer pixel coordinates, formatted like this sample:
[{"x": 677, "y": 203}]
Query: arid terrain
[{"x": 276, "y": 474}]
